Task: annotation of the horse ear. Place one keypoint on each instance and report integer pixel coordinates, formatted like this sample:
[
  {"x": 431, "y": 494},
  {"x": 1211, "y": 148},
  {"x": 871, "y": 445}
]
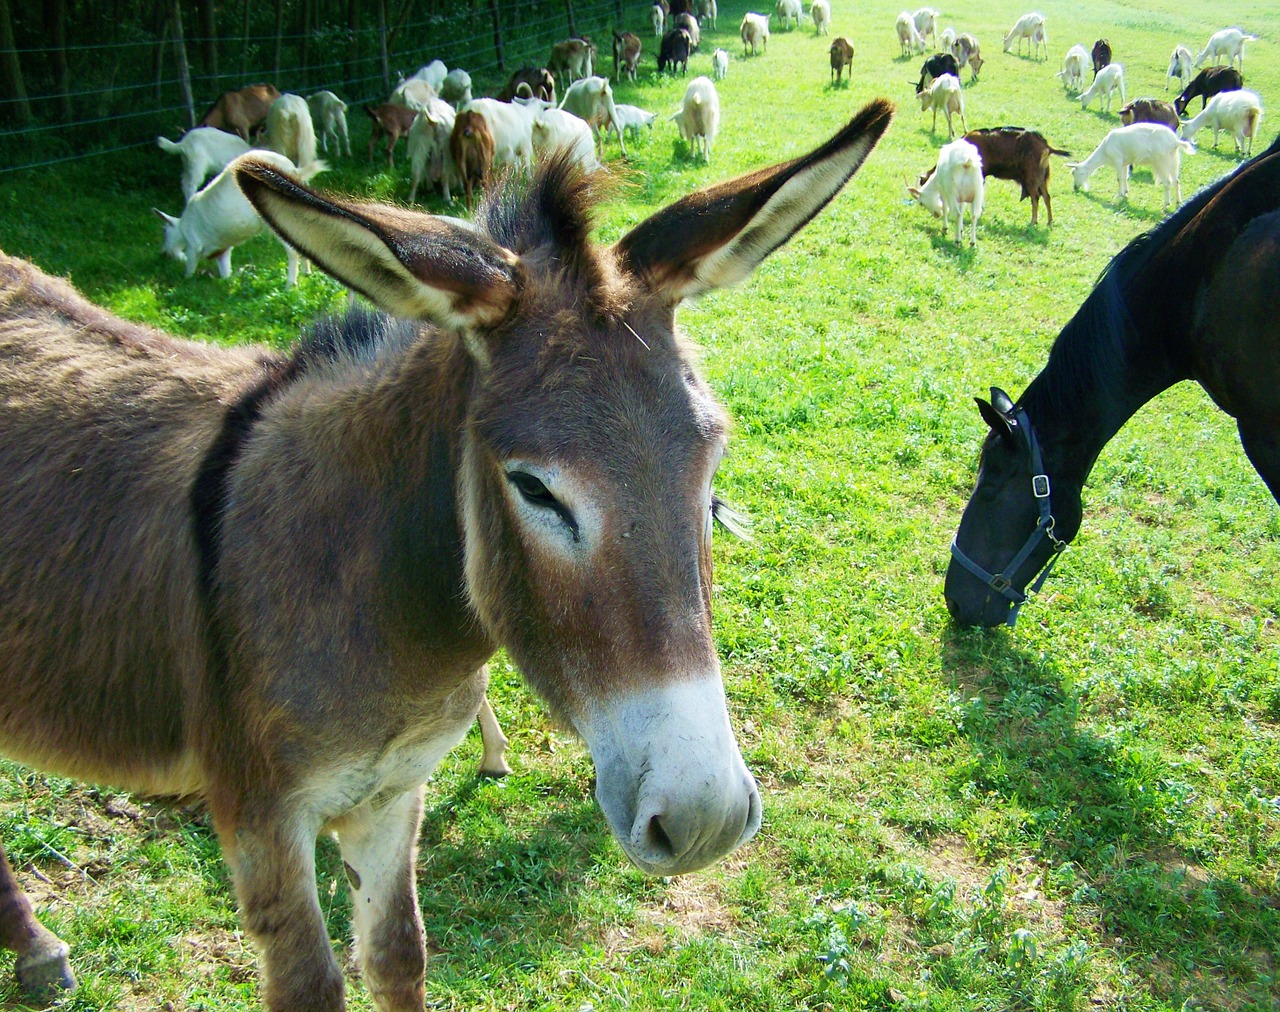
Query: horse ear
[
  {"x": 998, "y": 423},
  {"x": 1002, "y": 402},
  {"x": 413, "y": 265},
  {"x": 717, "y": 236}
]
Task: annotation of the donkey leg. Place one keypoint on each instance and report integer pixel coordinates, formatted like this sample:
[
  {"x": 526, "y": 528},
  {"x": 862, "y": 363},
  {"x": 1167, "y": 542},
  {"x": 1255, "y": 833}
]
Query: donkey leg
[
  {"x": 379, "y": 848},
  {"x": 493, "y": 763},
  {"x": 42, "y": 966}
]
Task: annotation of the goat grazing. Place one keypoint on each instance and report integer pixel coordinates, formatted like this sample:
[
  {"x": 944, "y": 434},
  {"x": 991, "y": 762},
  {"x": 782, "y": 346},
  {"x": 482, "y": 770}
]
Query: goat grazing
[
  {"x": 205, "y": 151},
  {"x": 591, "y": 100},
  {"x": 1109, "y": 80},
  {"x": 632, "y": 119},
  {"x": 537, "y": 79},
  {"x": 956, "y": 183},
  {"x": 430, "y": 156},
  {"x": 945, "y": 94},
  {"x": 241, "y": 112},
  {"x": 1209, "y": 82},
  {"x": 699, "y": 116},
  {"x": 719, "y": 65},
  {"x": 1021, "y": 156},
  {"x": 471, "y": 146},
  {"x": 1227, "y": 43},
  {"x": 689, "y": 24},
  {"x": 392, "y": 121},
  {"x": 946, "y": 39},
  {"x": 909, "y": 40},
  {"x": 1141, "y": 144},
  {"x": 1238, "y": 112},
  {"x": 434, "y": 73},
  {"x": 657, "y": 18},
  {"x": 290, "y": 132},
  {"x": 790, "y": 13},
  {"x": 1179, "y": 67},
  {"x": 456, "y": 89},
  {"x": 674, "y": 51},
  {"x": 414, "y": 93},
  {"x": 1149, "y": 110},
  {"x": 926, "y": 22},
  {"x": 754, "y": 31},
  {"x": 1032, "y": 28},
  {"x": 556, "y": 130},
  {"x": 841, "y": 57},
  {"x": 707, "y": 13},
  {"x": 1100, "y": 55},
  {"x": 626, "y": 55},
  {"x": 934, "y": 67},
  {"x": 1073, "y": 67},
  {"x": 329, "y": 116},
  {"x": 572, "y": 60},
  {"x": 968, "y": 54},
  {"x": 511, "y": 125},
  {"x": 820, "y": 11},
  {"x": 219, "y": 217}
]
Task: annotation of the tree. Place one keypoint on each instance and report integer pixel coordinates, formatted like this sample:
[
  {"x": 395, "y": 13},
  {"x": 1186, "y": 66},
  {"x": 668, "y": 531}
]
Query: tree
[{"x": 18, "y": 109}]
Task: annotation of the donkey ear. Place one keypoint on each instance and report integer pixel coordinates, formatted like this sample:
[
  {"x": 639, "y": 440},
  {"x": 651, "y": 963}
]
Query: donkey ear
[
  {"x": 717, "y": 236},
  {"x": 413, "y": 265}
]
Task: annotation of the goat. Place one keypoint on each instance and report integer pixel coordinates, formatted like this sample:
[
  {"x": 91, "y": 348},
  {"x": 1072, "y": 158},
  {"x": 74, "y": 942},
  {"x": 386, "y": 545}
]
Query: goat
[
  {"x": 626, "y": 55},
  {"x": 945, "y": 94},
  {"x": 392, "y": 121},
  {"x": 591, "y": 99},
  {"x": 329, "y": 114},
  {"x": 632, "y": 119},
  {"x": 657, "y": 18},
  {"x": 820, "y": 11},
  {"x": 690, "y": 25},
  {"x": 707, "y": 13},
  {"x": 841, "y": 56},
  {"x": 1149, "y": 110},
  {"x": 471, "y": 146},
  {"x": 909, "y": 40},
  {"x": 1072, "y": 72},
  {"x": 699, "y": 116},
  {"x": 205, "y": 151},
  {"x": 1179, "y": 67},
  {"x": 456, "y": 89},
  {"x": 572, "y": 60},
  {"x": 538, "y": 80},
  {"x": 433, "y": 73},
  {"x": 430, "y": 157},
  {"x": 1019, "y": 155},
  {"x": 754, "y": 31},
  {"x": 240, "y": 112},
  {"x": 1229, "y": 43},
  {"x": 674, "y": 51},
  {"x": 1141, "y": 144},
  {"x": 935, "y": 67},
  {"x": 1239, "y": 112},
  {"x": 719, "y": 65},
  {"x": 290, "y": 131},
  {"x": 1100, "y": 55},
  {"x": 790, "y": 13},
  {"x": 556, "y": 130},
  {"x": 956, "y": 182},
  {"x": 219, "y": 217},
  {"x": 1209, "y": 82},
  {"x": 1029, "y": 27},
  {"x": 414, "y": 93},
  {"x": 511, "y": 125},
  {"x": 1104, "y": 86},
  {"x": 926, "y": 22},
  {"x": 967, "y": 53}
]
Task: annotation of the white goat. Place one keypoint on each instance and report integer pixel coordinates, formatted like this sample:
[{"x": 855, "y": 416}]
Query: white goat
[
  {"x": 946, "y": 39},
  {"x": 1179, "y": 67},
  {"x": 1074, "y": 65},
  {"x": 699, "y": 116},
  {"x": 1229, "y": 43},
  {"x": 329, "y": 117},
  {"x": 591, "y": 99},
  {"x": 926, "y": 22},
  {"x": 219, "y": 217},
  {"x": 433, "y": 73},
  {"x": 657, "y": 18},
  {"x": 956, "y": 181},
  {"x": 289, "y": 130},
  {"x": 414, "y": 93},
  {"x": 205, "y": 151},
  {"x": 1239, "y": 112},
  {"x": 632, "y": 119},
  {"x": 555, "y": 129},
  {"x": 909, "y": 40},
  {"x": 820, "y": 11},
  {"x": 719, "y": 64},
  {"x": 708, "y": 13},
  {"x": 754, "y": 31},
  {"x": 429, "y": 156},
  {"x": 789, "y": 11},
  {"x": 1029, "y": 27},
  {"x": 512, "y": 129},
  {"x": 456, "y": 89},
  {"x": 1105, "y": 84},
  {"x": 1152, "y": 144},
  {"x": 944, "y": 93}
]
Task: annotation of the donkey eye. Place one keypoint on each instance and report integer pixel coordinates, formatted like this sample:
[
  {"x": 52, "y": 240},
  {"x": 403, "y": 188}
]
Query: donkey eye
[{"x": 532, "y": 489}]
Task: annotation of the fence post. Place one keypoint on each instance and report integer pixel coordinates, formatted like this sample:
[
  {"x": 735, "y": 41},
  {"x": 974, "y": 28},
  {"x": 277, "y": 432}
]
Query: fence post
[
  {"x": 573, "y": 29},
  {"x": 497, "y": 35},
  {"x": 184, "y": 71}
]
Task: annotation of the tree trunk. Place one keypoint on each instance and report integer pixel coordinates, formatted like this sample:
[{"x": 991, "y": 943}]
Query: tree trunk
[
  {"x": 275, "y": 75},
  {"x": 157, "y": 58},
  {"x": 382, "y": 45},
  {"x": 573, "y": 29},
  {"x": 11, "y": 83},
  {"x": 353, "y": 50},
  {"x": 405, "y": 10},
  {"x": 55, "y": 27},
  {"x": 184, "y": 71},
  {"x": 497, "y": 35}
]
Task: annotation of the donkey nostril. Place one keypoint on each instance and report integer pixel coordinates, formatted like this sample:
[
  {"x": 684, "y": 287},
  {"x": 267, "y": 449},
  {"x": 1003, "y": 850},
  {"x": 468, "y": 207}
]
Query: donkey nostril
[{"x": 655, "y": 835}]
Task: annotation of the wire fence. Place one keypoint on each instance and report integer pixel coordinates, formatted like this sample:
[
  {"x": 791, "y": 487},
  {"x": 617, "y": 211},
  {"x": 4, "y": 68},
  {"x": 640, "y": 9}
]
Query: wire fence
[{"x": 120, "y": 94}]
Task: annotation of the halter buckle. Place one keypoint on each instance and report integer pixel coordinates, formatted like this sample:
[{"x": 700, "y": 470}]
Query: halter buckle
[
  {"x": 999, "y": 584},
  {"x": 1040, "y": 486}
]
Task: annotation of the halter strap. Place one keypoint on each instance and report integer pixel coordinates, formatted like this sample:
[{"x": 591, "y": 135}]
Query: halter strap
[{"x": 1002, "y": 583}]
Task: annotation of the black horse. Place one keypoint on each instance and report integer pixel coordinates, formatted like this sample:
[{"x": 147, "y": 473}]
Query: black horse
[{"x": 1197, "y": 298}]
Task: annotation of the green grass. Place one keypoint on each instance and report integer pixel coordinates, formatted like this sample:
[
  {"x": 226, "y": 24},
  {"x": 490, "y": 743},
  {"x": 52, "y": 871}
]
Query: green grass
[{"x": 1082, "y": 813}]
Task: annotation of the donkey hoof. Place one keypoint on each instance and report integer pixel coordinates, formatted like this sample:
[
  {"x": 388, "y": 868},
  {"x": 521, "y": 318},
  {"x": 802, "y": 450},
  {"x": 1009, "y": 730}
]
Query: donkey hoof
[
  {"x": 46, "y": 974},
  {"x": 495, "y": 772}
]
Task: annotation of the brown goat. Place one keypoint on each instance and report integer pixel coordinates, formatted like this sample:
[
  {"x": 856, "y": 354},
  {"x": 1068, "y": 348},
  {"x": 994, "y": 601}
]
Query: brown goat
[
  {"x": 626, "y": 55},
  {"x": 538, "y": 80},
  {"x": 273, "y": 582},
  {"x": 1101, "y": 55},
  {"x": 241, "y": 112},
  {"x": 471, "y": 145},
  {"x": 571, "y": 60},
  {"x": 841, "y": 57},
  {"x": 1150, "y": 110},
  {"x": 1019, "y": 155},
  {"x": 392, "y": 121}
]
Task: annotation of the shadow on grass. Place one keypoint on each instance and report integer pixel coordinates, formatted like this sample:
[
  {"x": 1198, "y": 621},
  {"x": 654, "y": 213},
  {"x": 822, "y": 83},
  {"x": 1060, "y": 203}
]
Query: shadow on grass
[{"x": 1038, "y": 234}]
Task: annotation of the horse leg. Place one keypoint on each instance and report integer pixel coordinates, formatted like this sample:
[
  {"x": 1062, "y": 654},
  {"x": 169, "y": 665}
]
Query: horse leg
[
  {"x": 379, "y": 848},
  {"x": 42, "y": 966},
  {"x": 1262, "y": 445},
  {"x": 493, "y": 763}
]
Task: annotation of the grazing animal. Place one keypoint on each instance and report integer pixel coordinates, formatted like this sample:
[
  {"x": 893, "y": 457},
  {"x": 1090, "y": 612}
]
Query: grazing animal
[
  {"x": 1135, "y": 336},
  {"x": 241, "y": 112},
  {"x": 329, "y": 115},
  {"x": 1209, "y": 82},
  {"x": 945, "y": 94},
  {"x": 926, "y": 22},
  {"x": 968, "y": 54},
  {"x": 456, "y": 89},
  {"x": 719, "y": 65},
  {"x": 790, "y": 13},
  {"x": 698, "y": 117},
  {"x": 754, "y": 31},
  {"x": 657, "y": 18},
  {"x": 1019, "y": 155},
  {"x": 434, "y": 73},
  {"x": 841, "y": 57},
  {"x": 572, "y": 60},
  {"x": 956, "y": 183},
  {"x": 946, "y": 39},
  {"x": 538, "y": 80},
  {"x": 1227, "y": 43},
  {"x": 1141, "y": 144},
  {"x": 511, "y": 125},
  {"x": 430, "y": 152},
  {"x": 204, "y": 151},
  {"x": 591, "y": 100},
  {"x": 707, "y": 13},
  {"x": 690, "y": 25},
  {"x": 471, "y": 145},
  {"x": 674, "y": 51},
  {"x": 1108, "y": 81},
  {"x": 1100, "y": 55},
  {"x": 936, "y": 66},
  {"x": 909, "y": 40},
  {"x": 820, "y": 11},
  {"x": 1237, "y": 112},
  {"x": 1149, "y": 110},
  {"x": 414, "y": 93},
  {"x": 391, "y": 121},
  {"x": 626, "y": 55},
  {"x": 1030, "y": 27},
  {"x": 218, "y": 218},
  {"x": 1073, "y": 65},
  {"x": 289, "y": 130},
  {"x": 632, "y": 119},
  {"x": 1179, "y": 67},
  {"x": 555, "y": 130},
  {"x": 528, "y": 474}
]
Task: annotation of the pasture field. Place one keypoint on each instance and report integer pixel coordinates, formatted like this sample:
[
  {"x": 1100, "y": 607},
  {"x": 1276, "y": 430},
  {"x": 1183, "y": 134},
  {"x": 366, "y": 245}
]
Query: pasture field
[{"x": 1082, "y": 813}]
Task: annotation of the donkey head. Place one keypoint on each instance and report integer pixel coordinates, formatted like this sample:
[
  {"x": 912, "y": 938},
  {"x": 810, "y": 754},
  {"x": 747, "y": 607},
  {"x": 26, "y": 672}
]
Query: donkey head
[{"x": 588, "y": 452}]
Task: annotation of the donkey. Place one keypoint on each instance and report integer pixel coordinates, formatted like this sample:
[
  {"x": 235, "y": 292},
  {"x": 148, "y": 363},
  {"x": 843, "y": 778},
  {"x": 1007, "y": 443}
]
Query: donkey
[{"x": 273, "y": 583}]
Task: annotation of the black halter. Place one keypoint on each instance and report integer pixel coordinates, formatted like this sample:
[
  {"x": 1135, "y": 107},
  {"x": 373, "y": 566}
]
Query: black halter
[{"x": 1002, "y": 583}]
